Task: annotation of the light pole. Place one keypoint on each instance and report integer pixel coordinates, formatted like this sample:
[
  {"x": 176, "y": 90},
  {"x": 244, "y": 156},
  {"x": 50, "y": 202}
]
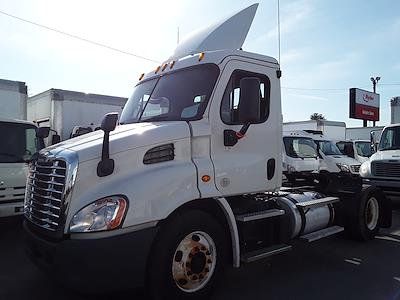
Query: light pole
[{"x": 374, "y": 82}]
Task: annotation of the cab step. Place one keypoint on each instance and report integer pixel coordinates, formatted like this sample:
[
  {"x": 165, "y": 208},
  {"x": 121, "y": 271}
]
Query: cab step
[
  {"x": 317, "y": 202},
  {"x": 263, "y": 253},
  {"x": 263, "y": 214},
  {"x": 314, "y": 236}
]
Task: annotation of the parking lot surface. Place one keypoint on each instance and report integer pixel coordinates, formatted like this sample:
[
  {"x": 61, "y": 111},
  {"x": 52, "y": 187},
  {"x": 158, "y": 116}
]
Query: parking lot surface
[{"x": 332, "y": 268}]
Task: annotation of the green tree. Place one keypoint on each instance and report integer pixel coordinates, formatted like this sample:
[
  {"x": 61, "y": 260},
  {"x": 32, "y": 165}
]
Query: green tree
[{"x": 317, "y": 116}]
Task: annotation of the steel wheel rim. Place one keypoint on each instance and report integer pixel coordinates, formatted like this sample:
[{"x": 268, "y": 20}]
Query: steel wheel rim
[
  {"x": 194, "y": 262},
  {"x": 372, "y": 213}
]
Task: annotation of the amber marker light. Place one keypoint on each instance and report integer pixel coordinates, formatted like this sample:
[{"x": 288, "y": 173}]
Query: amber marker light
[
  {"x": 172, "y": 64},
  {"x": 119, "y": 215},
  {"x": 205, "y": 178},
  {"x": 164, "y": 66},
  {"x": 141, "y": 76},
  {"x": 157, "y": 69},
  {"x": 201, "y": 56}
]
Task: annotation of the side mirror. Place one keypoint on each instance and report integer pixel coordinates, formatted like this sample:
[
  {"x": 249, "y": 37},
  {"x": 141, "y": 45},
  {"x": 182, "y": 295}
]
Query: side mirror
[
  {"x": 109, "y": 122},
  {"x": 373, "y": 142},
  {"x": 42, "y": 132},
  {"x": 55, "y": 139},
  {"x": 249, "y": 100},
  {"x": 105, "y": 167}
]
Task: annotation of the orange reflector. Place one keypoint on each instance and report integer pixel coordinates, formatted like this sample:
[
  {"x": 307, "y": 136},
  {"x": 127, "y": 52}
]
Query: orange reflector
[
  {"x": 205, "y": 178},
  {"x": 172, "y": 64},
  {"x": 201, "y": 56},
  {"x": 163, "y": 67},
  {"x": 141, "y": 76},
  {"x": 157, "y": 69}
]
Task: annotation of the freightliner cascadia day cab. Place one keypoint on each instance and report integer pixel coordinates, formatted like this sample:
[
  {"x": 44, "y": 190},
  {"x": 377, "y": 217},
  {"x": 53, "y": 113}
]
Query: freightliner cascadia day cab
[
  {"x": 383, "y": 167},
  {"x": 18, "y": 145},
  {"x": 189, "y": 181},
  {"x": 300, "y": 158}
]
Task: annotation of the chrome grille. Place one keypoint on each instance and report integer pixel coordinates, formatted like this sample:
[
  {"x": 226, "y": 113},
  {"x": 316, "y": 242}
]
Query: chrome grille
[
  {"x": 355, "y": 168},
  {"x": 386, "y": 169},
  {"x": 45, "y": 193}
]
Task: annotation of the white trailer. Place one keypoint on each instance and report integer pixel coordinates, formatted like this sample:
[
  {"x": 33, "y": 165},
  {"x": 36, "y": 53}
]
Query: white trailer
[
  {"x": 332, "y": 130},
  {"x": 63, "y": 110},
  {"x": 363, "y": 133},
  {"x": 189, "y": 181},
  {"x": 13, "y": 95}
]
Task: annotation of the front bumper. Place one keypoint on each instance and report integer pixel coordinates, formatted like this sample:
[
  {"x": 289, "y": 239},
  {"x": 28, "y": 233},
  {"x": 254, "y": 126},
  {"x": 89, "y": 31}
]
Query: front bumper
[
  {"x": 391, "y": 187},
  {"x": 11, "y": 209},
  {"x": 93, "y": 265}
]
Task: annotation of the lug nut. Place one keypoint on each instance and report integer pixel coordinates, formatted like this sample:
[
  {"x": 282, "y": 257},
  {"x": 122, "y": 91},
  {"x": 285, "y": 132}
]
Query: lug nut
[
  {"x": 194, "y": 277},
  {"x": 178, "y": 256},
  {"x": 209, "y": 261}
]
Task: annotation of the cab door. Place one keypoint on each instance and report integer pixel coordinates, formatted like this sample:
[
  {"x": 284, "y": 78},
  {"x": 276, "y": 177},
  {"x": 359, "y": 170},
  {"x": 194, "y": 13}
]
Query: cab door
[{"x": 254, "y": 164}]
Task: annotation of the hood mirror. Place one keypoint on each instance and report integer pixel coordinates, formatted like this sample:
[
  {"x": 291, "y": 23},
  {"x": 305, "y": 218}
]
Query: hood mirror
[{"x": 105, "y": 167}]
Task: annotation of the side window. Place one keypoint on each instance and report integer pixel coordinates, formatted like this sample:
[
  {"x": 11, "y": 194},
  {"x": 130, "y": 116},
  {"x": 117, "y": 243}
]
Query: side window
[{"x": 230, "y": 102}]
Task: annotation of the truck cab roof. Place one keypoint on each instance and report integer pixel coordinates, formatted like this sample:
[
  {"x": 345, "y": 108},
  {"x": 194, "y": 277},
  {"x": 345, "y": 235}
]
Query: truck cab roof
[{"x": 17, "y": 121}]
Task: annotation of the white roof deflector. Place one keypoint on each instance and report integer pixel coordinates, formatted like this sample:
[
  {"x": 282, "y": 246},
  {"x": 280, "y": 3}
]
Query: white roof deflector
[{"x": 228, "y": 33}]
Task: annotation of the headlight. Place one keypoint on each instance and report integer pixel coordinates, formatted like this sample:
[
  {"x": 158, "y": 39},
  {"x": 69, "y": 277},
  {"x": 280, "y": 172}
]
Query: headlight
[
  {"x": 343, "y": 167},
  {"x": 104, "y": 214},
  {"x": 364, "y": 169}
]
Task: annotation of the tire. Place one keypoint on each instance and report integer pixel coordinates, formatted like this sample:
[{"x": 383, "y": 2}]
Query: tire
[
  {"x": 365, "y": 225},
  {"x": 188, "y": 257}
]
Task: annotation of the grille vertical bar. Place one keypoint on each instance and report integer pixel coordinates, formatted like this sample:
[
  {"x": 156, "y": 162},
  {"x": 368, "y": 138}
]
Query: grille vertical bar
[{"x": 45, "y": 193}]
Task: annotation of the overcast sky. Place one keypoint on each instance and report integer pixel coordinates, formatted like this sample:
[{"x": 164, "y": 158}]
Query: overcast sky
[{"x": 327, "y": 46}]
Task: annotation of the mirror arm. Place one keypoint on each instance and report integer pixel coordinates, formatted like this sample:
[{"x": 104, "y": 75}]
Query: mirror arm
[{"x": 105, "y": 167}]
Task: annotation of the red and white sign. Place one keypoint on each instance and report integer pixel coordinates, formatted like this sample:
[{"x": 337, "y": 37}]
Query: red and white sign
[{"x": 364, "y": 105}]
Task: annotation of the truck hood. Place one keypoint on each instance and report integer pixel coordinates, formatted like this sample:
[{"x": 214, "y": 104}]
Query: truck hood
[
  {"x": 387, "y": 154},
  {"x": 123, "y": 138},
  {"x": 343, "y": 159}
]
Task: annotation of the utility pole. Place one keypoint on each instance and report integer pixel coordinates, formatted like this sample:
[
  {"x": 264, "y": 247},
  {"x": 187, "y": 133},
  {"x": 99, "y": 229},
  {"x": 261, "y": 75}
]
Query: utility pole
[{"x": 374, "y": 82}]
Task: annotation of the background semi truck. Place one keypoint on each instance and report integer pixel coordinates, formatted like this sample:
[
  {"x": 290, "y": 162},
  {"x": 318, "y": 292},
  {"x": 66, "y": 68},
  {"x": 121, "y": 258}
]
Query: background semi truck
[
  {"x": 188, "y": 182},
  {"x": 383, "y": 167},
  {"x": 68, "y": 112}
]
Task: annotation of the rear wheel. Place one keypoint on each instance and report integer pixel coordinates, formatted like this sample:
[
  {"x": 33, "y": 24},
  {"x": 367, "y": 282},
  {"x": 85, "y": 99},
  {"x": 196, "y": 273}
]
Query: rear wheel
[{"x": 187, "y": 258}]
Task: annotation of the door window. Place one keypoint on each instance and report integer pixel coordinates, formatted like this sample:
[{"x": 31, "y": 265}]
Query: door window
[{"x": 230, "y": 102}]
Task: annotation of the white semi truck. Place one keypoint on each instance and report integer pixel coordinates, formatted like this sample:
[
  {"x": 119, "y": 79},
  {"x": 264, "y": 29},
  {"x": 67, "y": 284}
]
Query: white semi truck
[
  {"x": 383, "y": 167},
  {"x": 190, "y": 180}
]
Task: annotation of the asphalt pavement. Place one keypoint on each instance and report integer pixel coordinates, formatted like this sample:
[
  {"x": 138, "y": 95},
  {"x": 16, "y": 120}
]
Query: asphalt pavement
[{"x": 331, "y": 268}]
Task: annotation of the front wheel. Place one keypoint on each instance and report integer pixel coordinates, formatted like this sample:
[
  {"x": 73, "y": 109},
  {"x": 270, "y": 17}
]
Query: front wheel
[
  {"x": 366, "y": 215},
  {"x": 187, "y": 258}
]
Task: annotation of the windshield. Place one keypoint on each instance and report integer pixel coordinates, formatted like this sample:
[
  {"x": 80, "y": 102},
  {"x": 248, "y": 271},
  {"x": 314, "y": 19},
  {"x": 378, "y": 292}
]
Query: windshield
[
  {"x": 300, "y": 147},
  {"x": 390, "y": 139},
  {"x": 364, "y": 149},
  {"x": 328, "y": 148},
  {"x": 18, "y": 142},
  {"x": 182, "y": 95}
]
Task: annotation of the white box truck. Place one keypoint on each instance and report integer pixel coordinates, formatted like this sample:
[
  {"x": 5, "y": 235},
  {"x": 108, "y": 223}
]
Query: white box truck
[
  {"x": 188, "y": 182},
  {"x": 18, "y": 144},
  {"x": 332, "y": 130},
  {"x": 64, "y": 110}
]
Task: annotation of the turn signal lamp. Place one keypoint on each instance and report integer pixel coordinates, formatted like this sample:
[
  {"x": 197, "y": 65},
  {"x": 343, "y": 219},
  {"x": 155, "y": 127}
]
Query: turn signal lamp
[{"x": 201, "y": 56}]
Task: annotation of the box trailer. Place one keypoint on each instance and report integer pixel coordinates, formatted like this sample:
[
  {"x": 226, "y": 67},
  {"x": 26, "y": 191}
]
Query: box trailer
[
  {"x": 363, "y": 133},
  {"x": 332, "y": 130},
  {"x": 64, "y": 110},
  {"x": 13, "y": 96}
]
